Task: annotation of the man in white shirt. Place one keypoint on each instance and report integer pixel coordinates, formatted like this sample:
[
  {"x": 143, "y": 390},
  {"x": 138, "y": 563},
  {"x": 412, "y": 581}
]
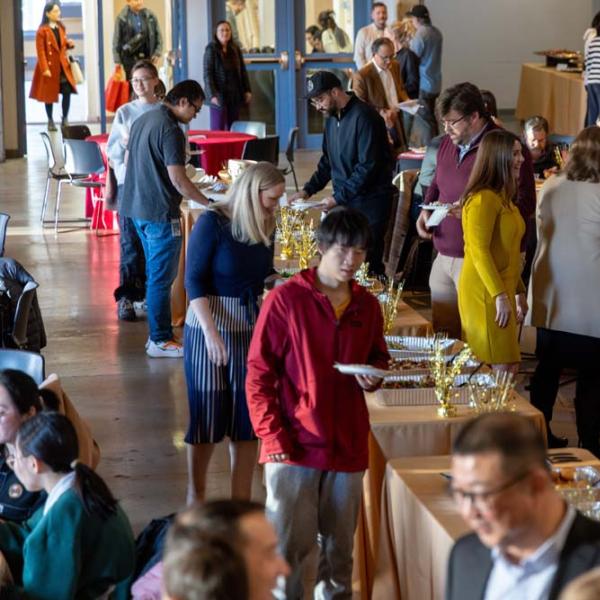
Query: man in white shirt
[
  {"x": 368, "y": 34},
  {"x": 379, "y": 83},
  {"x": 527, "y": 542}
]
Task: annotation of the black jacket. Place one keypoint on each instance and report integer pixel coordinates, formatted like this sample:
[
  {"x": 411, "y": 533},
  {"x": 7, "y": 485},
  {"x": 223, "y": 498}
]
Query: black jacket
[
  {"x": 218, "y": 80},
  {"x": 409, "y": 67},
  {"x": 16, "y": 503},
  {"x": 470, "y": 561},
  {"x": 125, "y": 33},
  {"x": 357, "y": 158}
]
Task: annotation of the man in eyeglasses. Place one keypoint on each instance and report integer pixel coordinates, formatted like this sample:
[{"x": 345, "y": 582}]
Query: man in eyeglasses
[
  {"x": 465, "y": 122},
  {"x": 155, "y": 183},
  {"x": 527, "y": 542},
  {"x": 379, "y": 83}
]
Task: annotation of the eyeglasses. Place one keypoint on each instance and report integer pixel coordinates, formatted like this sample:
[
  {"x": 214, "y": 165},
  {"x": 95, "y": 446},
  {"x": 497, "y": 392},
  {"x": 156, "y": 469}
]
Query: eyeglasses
[
  {"x": 141, "y": 80},
  {"x": 483, "y": 499},
  {"x": 446, "y": 123},
  {"x": 388, "y": 58},
  {"x": 195, "y": 106}
]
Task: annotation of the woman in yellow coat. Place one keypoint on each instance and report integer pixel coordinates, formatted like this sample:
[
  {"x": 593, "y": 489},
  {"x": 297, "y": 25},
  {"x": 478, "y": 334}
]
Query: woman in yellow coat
[{"x": 491, "y": 295}]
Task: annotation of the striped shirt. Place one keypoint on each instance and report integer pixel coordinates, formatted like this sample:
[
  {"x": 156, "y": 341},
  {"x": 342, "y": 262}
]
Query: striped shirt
[{"x": 592, "y": 61}]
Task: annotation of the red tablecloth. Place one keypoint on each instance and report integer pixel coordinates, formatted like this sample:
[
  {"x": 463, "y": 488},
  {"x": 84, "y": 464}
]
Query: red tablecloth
[
  {"x": 101, "y": 219},
  {"x": 218, "y": 147}
]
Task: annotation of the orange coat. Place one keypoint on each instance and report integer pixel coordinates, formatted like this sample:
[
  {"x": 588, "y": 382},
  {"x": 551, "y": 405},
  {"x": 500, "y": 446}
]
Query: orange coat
[{"x": 50, "y": 56}]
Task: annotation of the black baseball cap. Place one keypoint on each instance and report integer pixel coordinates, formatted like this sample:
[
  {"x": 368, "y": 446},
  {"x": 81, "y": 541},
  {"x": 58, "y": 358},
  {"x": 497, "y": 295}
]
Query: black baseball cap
[
  {"x": 320, "y": 82},
  {"x": 419, "y": 11}
]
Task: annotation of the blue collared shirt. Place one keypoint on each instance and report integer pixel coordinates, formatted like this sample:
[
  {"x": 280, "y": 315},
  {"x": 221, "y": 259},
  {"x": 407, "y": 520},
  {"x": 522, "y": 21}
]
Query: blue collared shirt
[
  {"x": 463, "y": 149},
  {"x": 427, "y": 45},
  {"x": 532, "y": 578}
]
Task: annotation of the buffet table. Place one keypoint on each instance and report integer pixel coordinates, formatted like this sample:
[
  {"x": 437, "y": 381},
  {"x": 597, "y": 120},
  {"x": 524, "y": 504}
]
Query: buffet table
[
  {"x": 404, "y": 431},
  {"x": 419, "y": 525},
  {"x": 558, "y": 96}
]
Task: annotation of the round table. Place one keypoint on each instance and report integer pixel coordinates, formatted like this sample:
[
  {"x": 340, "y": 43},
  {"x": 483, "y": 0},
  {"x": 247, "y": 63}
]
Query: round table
[{"x": 217, "y": 147}]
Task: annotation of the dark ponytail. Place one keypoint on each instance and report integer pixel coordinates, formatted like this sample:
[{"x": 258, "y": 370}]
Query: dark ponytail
[{"x": 51, "y": 438}]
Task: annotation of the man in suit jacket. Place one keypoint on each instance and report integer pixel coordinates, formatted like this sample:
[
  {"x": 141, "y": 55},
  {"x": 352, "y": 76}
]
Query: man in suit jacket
[
  {"x": 527, "y": 542},
  {"x": 379, "y": 83}
]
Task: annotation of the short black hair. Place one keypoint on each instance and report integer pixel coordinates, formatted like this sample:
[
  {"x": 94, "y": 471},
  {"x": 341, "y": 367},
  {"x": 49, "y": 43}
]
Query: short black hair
[
  {"x": 344, "y": 226},
  {"x": 314, "y": 31},
  {"x": 465, "y": 98},
  {"x": 382, "y": 41},
  {"x": 514, "y": 437},
  {"x": 189, "y": 89},
  {"x": 377, "y": 5}
]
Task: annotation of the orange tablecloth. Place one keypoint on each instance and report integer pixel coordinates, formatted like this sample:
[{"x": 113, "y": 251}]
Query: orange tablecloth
[
  {"x": 558, "y": 96},
  {"x": 404, "y": 431},
  {"x": 218, "y": 147},
  {"x": 419, "y": 525}
]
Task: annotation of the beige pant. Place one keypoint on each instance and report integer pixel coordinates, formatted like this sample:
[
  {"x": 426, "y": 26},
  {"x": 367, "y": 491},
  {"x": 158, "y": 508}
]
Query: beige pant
[{"x": 443, "y": 282}]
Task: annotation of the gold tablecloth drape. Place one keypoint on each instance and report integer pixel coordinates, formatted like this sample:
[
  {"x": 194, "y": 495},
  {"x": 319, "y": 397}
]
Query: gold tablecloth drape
[{"x": 558, "y": 96}]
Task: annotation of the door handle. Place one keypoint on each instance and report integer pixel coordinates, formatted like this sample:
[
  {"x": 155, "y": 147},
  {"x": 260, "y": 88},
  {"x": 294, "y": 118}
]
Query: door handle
[
  {"x": 299, "y": 60},
  {"x": 284, "y": 60}
]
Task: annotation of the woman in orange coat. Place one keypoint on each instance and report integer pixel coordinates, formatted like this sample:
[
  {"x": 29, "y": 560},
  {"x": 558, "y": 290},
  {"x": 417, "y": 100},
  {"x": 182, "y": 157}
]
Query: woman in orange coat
[{"x": 52, "y": 73}]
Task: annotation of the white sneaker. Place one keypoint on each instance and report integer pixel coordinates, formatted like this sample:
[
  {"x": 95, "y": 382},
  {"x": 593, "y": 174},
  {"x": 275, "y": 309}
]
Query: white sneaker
[
  {"x": 168, "y": 349},
  {"x": 140, "y": 306}
]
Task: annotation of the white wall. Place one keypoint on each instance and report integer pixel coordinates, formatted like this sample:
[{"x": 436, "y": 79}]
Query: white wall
[
  {"x": 486, "y": 41},
  {"x": 198, "y": 36}
]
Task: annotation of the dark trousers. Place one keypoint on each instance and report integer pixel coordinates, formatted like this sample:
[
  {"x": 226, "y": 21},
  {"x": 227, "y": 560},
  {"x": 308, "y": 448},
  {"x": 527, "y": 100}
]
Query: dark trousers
[
  {"x": 222, "y": 118},
  {"x": 132, "y": 264},
  {"x": 555, "y": 351},
  {"x": 593, "y": 104},
  {"x": 427, "y": 115}
]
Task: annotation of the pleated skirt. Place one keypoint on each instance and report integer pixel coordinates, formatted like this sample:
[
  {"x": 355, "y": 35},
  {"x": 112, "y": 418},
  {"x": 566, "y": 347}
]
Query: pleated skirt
[{"x": 216, "y": 395}]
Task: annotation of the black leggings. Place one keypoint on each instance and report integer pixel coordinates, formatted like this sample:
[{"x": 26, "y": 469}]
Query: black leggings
[
  {"x": 557, "y": 350},
  {"x": 66, "y": 104}
]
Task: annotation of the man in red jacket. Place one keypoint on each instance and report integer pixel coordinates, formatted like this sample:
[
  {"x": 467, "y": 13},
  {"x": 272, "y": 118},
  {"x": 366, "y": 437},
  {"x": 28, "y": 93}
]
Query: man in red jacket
[
  {"x": 312, "y": 420},
  {"x": 466, "y": 122}
]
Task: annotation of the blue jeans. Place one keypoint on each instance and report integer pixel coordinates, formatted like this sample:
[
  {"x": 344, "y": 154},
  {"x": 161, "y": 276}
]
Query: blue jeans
[
  {"x": 132, "y": 266},
  {"x": 161, "y": 249}
]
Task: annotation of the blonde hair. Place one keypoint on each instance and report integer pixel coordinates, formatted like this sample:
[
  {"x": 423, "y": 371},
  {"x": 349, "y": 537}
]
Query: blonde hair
[
  {"x": 403, "y": 32},
  {"x": 250, "y": 223},
  {"x": 584, "y": 587}
]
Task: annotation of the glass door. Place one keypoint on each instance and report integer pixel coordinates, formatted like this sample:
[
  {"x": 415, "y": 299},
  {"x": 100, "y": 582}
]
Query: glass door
[{"x": 284, "y": 42}]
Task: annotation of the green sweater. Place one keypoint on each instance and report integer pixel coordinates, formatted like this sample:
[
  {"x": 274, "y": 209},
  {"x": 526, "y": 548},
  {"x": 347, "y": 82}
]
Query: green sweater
[{"x": 68, "y": 554}]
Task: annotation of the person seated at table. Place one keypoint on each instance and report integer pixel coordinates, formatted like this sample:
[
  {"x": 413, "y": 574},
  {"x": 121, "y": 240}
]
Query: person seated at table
[
  {"x": 230, "y": 254},
  {"x": 20, "y": 399},
  {"x": 79, "y": 543},
  {"x": 543, "y": 153},
  {"x": 225, "y": 549},
  {"x": 313, "y": 39},
  {"x": 312, "y": 420},
  {"x": 225, "y": 78},
  {"x": 491, "y": 295},
  {"x": 132, "y": 265},
  {"x": 527, "y": 542},
  {"x": 565, "y": 287}
]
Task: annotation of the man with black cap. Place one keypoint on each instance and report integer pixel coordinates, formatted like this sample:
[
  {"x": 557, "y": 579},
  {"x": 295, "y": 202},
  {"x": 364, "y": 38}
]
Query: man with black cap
[
  {"x": 427, "y": 45},
  {"x": 357, "y": 158}
]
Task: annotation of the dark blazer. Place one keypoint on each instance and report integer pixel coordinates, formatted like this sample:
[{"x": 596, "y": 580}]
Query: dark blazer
[
  {"x": 470, "y": 561},
  {"x": 409, "y": 67},
  {"x": 216, "y": 75}
]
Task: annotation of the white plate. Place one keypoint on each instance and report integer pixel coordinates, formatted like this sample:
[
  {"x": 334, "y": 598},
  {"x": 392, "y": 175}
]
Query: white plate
[
  {"x": 361, "y": 370},
  {"x": 435, "y": 206},
  {"x": 306, "y": 204}
]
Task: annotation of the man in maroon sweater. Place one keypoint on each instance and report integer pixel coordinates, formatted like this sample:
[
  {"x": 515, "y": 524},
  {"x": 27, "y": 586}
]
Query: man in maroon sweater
[{"x": 465, "y": 121}]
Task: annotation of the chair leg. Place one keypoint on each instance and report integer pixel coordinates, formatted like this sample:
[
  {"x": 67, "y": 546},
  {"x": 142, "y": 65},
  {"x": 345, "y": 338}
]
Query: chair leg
[
  {"x": 45, "y": 203},
  {"x": 294, "y": 176},
  {"x": 57, "y": 206}
]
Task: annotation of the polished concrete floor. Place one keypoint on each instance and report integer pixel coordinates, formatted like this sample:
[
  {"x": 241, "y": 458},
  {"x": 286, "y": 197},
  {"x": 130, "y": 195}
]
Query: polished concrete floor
[{"x": 135, "y": 405}]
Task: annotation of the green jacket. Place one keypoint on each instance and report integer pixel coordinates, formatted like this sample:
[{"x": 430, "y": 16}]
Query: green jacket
[{"x": 68, "y": 554}]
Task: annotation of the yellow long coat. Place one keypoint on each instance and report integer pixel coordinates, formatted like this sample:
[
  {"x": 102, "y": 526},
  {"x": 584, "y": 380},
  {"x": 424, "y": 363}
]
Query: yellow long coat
[{"x": 492, "y": 234}]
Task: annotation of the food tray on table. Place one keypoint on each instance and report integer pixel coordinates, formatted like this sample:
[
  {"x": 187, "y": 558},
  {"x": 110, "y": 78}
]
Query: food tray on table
[
  {"x": 419, "y": 390},
  {"x": 579, "y": 486},
  {"x": 416, "y": 347},
  {"x": 402, "y": 365}
]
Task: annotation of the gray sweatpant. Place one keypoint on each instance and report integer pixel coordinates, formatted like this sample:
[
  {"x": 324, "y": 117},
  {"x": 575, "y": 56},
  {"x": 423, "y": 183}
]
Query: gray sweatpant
[{"x": 309, "y": 505}]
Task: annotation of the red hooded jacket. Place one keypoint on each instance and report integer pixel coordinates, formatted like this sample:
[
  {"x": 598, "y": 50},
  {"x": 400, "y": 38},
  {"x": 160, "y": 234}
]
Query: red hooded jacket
[{"x": 299, "y": 404}]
